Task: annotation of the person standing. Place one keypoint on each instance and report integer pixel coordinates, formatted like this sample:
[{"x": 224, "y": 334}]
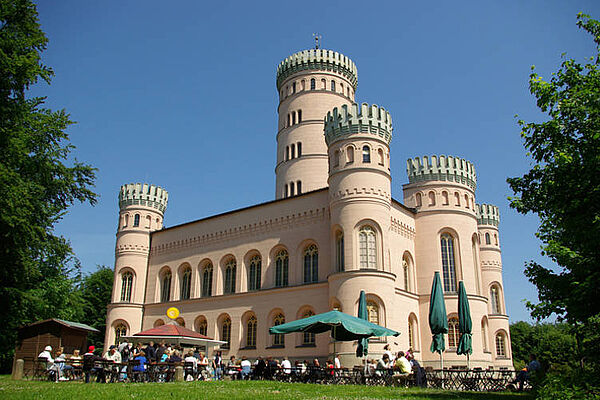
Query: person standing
[{"x": 218, "y": 365}]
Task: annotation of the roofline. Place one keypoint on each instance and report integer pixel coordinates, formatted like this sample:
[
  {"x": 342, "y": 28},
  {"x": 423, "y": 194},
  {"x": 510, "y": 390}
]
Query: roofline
[
  {"x": 409, "y": 209},
  {"x": 240, "y": 210},
  {"x": 57, "y": 320}
]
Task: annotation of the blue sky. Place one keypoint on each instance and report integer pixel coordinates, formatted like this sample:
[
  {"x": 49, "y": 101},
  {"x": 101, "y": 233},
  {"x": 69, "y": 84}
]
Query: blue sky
[{"x": 182, "y": 95}]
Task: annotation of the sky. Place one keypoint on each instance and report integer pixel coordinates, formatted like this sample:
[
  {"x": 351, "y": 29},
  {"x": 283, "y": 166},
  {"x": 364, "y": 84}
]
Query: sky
[{"x": 182, "y": 95}]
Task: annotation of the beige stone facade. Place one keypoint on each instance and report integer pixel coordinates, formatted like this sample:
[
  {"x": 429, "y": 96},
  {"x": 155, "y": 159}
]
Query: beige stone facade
[{"x": 332, "y": 230}]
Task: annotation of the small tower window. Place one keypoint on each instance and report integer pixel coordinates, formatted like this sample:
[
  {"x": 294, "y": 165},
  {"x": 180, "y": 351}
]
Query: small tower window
[
  {"x": 333, "y": 86},
  {"x": 367, "y": 248},
  {"x": 299, "y": 116},
  {"x": 125, "y": 220},
  {"x": 136, "y": 220},
  {"x": 445, "y": 198},
  {"x": 289, "y": 120},
  {"x": 496, "y": 239},
  {"x": 457, "y": 198},
  {"x": 303, "y": 85},
  {"x": 299, "y": 187},
  {"x": 366, "y": 151},
  {"x": 419, "y": 200},
  {"x": 285, "y": 193},
  {"x": 336, "y": 158},
  {"x": 487, "y": 238},
  {"x": 349, "y": 155},
  {"x": 299, "y": 148},
  {"x": 293, "y": 87},
  {"x": 448, "y": 263},
  {"x": 500, "y": 346},
  {"x": 291, "y": 188},
  {"x": 293, "y": 151},
  {"x": 380, "y": 156},
  {"x": 281, "y": 269},
  {"x": 126, "y": 285},
  {"x": 313, "y": 84},
  {"x": 323, "y": 84},
  {"x": 348, "y": 90},
  {"x": 339, "y": 251},
  {"x": 294, "y": 118},
  {"x": 466, "y": 201},
  {"x": 432, "y": 198},
  {"x": 495, "y": 298},
  {"x": 148, "y": 222},
  {"x": 287, "y": 153},
  {"x": 342, "y": 88}
]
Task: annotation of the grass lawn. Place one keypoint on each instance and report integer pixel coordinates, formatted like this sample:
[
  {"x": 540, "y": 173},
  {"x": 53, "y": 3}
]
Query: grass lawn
[{"x": 263, "y": 390}]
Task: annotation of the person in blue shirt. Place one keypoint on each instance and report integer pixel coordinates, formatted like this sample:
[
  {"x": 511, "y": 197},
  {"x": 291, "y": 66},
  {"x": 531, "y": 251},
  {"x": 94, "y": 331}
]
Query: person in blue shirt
[
  {"x": 142, "y": 360},
  {"x": 525, "y": 373}
]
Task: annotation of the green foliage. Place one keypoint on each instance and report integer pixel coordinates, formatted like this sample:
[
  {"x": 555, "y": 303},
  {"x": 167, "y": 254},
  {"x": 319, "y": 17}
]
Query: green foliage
[
  {"x": 563, "y": 187},
  {"x": 96, "y": 291},
  {"x": 37, "y": 268}
]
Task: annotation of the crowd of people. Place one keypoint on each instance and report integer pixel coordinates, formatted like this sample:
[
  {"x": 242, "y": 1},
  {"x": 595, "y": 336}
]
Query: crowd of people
[{"x": 197, "y": 366}]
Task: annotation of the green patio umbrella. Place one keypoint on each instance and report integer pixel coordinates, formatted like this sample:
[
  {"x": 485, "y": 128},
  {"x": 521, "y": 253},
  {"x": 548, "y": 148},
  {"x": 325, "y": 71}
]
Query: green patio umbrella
[
  {"x": 363, "y": 344},
  {"x": 438, "y": 321},
  {"x": 342, "y": 326},
  {"x": 465, "y": 325}
]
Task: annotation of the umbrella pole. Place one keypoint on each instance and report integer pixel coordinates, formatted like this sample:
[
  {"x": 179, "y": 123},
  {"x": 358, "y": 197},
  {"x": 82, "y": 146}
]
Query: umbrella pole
[
  {"x": 442, "y": 365},
  {"x": 467, "y": 361}
]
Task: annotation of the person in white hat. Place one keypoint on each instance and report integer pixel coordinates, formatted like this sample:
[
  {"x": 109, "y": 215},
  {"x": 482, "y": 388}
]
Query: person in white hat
[{"x": 47, "y": 354}]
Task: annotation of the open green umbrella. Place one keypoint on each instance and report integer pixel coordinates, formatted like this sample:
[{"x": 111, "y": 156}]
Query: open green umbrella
[
  {"x": 438, "y": 321},
  {"x": 363, "y": 344},
  {"x": 342, "y": 326},
  {"x": 465, "y": 325}
]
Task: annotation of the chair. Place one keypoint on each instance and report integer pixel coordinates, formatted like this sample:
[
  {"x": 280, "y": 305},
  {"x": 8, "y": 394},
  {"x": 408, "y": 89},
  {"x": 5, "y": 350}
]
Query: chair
[{"x": 188, "y": 369}]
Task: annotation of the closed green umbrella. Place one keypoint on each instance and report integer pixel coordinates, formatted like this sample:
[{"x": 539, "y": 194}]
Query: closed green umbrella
[
  {"x": 438, "y": 321},
  {"x": 363, "y": 344},
  {"x": 465, "y": 325}
]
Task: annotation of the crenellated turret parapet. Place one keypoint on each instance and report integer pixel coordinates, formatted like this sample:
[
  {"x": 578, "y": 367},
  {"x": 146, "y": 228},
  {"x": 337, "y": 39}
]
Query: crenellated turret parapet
[
  {"x": 143, "y": 194},
  {"x": 318, "y": 60},
  {"x": 344, "y": 121},
  {"x": 441, "y": 168},
  {"x": 487, "y": 214}
]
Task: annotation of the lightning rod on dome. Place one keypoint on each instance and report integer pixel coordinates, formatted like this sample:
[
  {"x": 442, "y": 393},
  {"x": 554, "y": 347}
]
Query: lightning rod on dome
[{"x": 317, "y": 38}]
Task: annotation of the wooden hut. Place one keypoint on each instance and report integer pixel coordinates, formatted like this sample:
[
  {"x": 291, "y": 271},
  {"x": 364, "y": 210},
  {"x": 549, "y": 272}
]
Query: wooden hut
[{"x": 54, "y": 332}]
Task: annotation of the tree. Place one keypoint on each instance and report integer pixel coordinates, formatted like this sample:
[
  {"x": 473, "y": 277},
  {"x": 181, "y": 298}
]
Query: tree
[
  {"x": 563, "y": 187},
  {"x": 37, "y": 185},
  {"x": 96, "y": 291}
]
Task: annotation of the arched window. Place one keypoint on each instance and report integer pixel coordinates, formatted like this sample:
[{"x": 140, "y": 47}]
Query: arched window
[
  {"x": 281, "y": 268},
  {"x": 495, "y": 299},
  {"x": 180, "y": 321},
  {"x": 254, "y": 273},
  {"x": 148, "y": 222},
  {"x": 475, "y": 262},
  {"x": 411, "y": 340},
  {"x": 294, "y": 121},
  {"x": 226, "y": 333},
  {"x": 201, "y": 326},
  {"x": 457, "y": 198},
  {"x": 285, "y": 193},
  {"x": 186, "y": 284},
  {"x": 126, "y": 285},
  {"x": 158, "y": 322},
  {"x": 339, "y": 251},
  {"x": 299, "y": 147},
  {"x": 448, "y": 263},
  {"x": 484, "y": 334},
  {"x": 466, "y": 201},
  {"x": 323, "y": 84},
  {"x": 495, "y": 239},
  {"x": 367, "y": 248},
  {"x": 278, "y": 340},
  {"x": 293, "y": 87},
  {"x": 136, "y": 220},
  {"x": 230, "y": 268},
  {"x": 487, "y": 238},
  {"x": 287, "y": 153},
  {"x": 445, "y": 198},
  {"x": 413, "y": 332},
  {"x": 418, "y": 200},
  {"x": 251, "y": 332},
  {"x": 207, "y": 278},
  {"x": 299, "y": 187},
  {"x": 125, "y": 220},
  {"x": 500, "y": 345},
  {"x": 349, "y": 155},
  {"x": 292, "y": 150},
  {"x": 299, "y": 116},
  {"x": 308, "y": 339},
  {"x": 373, "y": 312},
  {"x": 289, "y": 120},
  {"x": 291, "y": 188},
  {"x": 311, "y": 264},
  {"x": 313, "y": 84},
  {"x": 336, "y": 158},
  {"x": 342, "y": 88},
  {"x": 366, "y": 152},
  {"x": 432, "y": 198},
  {"x": 406, "y": 275},
  {"x": 120, "y": 331},
  {"x": 165, "y": 287},
  {"x": 453, "y": 334},
  {"x": 348, "y": 91},
  {"x": 303, "y": 85},
  {"x": 380, "y": 156}
]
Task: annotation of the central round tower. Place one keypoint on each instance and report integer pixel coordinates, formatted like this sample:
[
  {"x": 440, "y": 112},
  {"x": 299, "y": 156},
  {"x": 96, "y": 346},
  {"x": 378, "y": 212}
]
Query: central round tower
[{"x": 310, "y": 83}]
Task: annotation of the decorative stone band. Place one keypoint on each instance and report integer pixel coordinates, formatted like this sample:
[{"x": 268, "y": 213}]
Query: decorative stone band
[
  {"x": 318, "y": 60},
  {"x": 442, "y": 168},
  {"x": 144, "y": 195},
  {"x": 344, "y": 121},
  {"x": 487, "y": 214}
]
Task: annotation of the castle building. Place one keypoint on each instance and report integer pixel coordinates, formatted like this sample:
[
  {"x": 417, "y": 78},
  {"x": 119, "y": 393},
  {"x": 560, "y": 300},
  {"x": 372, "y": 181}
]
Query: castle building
[{"x": 332, "y": 230}]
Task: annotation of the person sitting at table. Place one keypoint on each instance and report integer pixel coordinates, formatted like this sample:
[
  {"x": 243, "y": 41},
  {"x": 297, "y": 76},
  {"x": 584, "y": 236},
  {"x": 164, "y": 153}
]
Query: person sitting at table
[
  {"x": 174, "y": 357},
  {"x": 160, "y": 351},
  {"x": 259, "y": 368},
  {"x": 164, "y": 357},
  {"x": 140, "y": 365},
  {"x": 233, "y": 369},
  {"x": 286, "y": 366},
  {"x": 525, "y": 373},
  {"x": 190, "y": 361},
  {"x": 402, "y": 365},
  {"x": 383, "y": 365},
  {"x": 47, "y": 355},
  {"x": 329, "y": 367},
  {"x": 417, "y": 370},
  {"x": 246, "y": 368},
  {"x": 75, "y": 358},
  {"x": 150, "y": 351},
  {"x": 62, "y": 367},
  {"x": 113, "y": 355},
  {"x": 203, "y": 365},
  {"x": 89, "y": 367}
]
